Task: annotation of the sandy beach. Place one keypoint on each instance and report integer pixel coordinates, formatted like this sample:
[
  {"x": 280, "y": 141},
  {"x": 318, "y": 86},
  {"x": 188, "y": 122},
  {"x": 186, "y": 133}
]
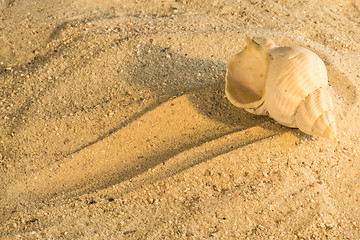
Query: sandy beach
[{"x": 115, "y": 125}]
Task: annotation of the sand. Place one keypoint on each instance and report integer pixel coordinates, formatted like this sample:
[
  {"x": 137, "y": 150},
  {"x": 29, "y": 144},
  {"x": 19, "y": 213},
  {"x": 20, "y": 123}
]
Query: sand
[{"x": 114, "y": 123}]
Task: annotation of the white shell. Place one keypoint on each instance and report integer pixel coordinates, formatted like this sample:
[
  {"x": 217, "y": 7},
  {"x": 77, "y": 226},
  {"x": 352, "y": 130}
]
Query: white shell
[{"x": 287, "y": 83}]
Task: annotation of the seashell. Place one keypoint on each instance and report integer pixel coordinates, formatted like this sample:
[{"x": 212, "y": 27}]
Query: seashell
[{"x": 287, "y": 83}]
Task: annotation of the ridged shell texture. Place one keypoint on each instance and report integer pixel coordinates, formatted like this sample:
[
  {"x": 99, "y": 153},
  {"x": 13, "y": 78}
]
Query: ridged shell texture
[{"x": 287, "y": 83}]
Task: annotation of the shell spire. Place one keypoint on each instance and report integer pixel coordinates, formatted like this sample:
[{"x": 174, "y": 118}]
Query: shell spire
[{"x": 315, "y": 114}]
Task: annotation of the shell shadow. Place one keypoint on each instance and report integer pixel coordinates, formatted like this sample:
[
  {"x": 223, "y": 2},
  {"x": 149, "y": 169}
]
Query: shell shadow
[
  {"x": 190, "y": 112},
  {"x": 203, "y": 80}
]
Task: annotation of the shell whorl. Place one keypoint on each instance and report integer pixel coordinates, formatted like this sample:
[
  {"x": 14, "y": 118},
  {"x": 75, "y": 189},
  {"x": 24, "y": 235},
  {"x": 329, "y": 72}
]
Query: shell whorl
[
  {"x": 293, "y": 74},
  {"x": 314, "y": 115}
]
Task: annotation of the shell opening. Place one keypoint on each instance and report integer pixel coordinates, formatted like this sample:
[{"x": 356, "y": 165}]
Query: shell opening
[
  {"x": 240, "y": 92},
  {"x": 245, "y": 76}
]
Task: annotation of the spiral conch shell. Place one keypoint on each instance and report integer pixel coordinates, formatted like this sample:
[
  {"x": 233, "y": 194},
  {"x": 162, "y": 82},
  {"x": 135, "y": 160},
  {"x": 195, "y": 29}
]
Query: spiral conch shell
[{"x": 287, "y": 83}]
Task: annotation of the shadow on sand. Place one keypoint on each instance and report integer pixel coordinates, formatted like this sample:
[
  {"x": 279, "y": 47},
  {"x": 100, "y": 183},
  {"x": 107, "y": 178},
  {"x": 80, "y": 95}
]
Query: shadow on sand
[{"x": 190, "y": 110}]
